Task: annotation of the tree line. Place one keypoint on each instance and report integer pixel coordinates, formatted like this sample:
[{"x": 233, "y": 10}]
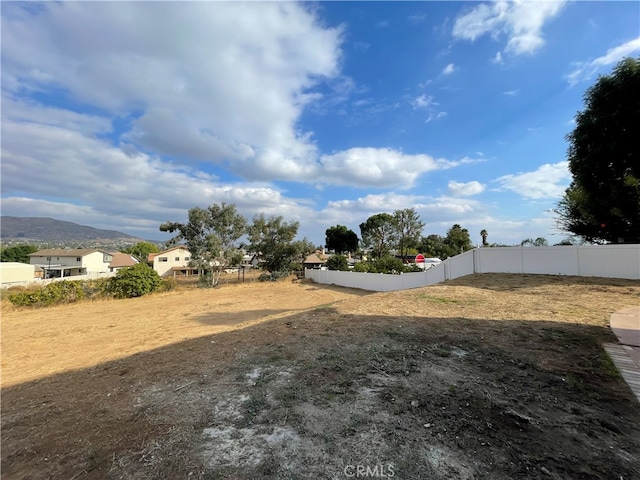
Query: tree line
[{"x": 213, "y": 235}]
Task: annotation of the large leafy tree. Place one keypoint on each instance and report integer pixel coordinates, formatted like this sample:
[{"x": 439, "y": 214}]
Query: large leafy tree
[
  {"x": 378, "y": 234},
  {"x": 458, "y": 240},
  {"x": 211, "y": 235},
  {"x": 17, "y": 253},
  {"x": 141, "y": 250},
  {"x": 273, "y": 239},
  {"x": 455, "y": 242},
  {"x": 603, "y": 201},
  {"x": 408, "y": 228},
  {"x": 433, "y": 246},
  {"x": 303, "y": 248},
  {"x": 340, "y": 239}
]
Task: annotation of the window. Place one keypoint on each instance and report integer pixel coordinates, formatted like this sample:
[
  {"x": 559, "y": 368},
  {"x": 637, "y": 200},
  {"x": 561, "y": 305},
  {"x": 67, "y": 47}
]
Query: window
[
  {"x": 78, "y": 259},
  {"x": 48, "y": 259},
  {"x": 186, "y": 259},
  {"x": 162, "y": 259},
  {"x": 106, "y": 258},
  {"x": 177, "y": 259}
]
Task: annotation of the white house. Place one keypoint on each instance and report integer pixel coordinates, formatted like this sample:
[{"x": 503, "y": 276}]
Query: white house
[
  {"x": 16, "y": 273},
  {"x": 171, "y": 261},
  {"x": 60, "y": 262}
]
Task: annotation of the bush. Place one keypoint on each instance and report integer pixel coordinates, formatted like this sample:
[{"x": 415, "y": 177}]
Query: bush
[
  {"x": 362, "y": 267},
  {"x": 52, "y": 294},
  {"x": 204, "y": 280},
  {"x": 273, "y": 276},
  {"x": 337, "y": 262},
  {"x": 385, "y": 265},
  {"x": 168, "y": 284},
  {"x": 389, "y": 265},
  {"x": 93, "y": 288},
  {"x": 133, "y": 281}
]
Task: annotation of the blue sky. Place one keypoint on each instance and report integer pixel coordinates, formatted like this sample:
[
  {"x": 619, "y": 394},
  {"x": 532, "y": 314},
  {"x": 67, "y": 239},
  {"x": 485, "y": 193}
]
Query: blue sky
[{"x": 124, "y": 115}]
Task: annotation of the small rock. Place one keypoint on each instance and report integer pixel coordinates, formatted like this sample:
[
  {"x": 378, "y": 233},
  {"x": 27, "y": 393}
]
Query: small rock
[
  {"x": 427, "y": 425},
  {"x": 415, "y": 403}
]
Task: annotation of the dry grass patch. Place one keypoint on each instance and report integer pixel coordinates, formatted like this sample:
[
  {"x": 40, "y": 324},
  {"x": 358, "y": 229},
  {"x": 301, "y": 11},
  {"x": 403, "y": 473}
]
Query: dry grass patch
[{"x": 489, "y": 376}]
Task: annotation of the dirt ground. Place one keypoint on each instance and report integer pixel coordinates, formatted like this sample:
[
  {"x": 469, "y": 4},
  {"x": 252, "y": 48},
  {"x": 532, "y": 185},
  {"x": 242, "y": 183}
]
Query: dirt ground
[{"x": 488, "y": 376}]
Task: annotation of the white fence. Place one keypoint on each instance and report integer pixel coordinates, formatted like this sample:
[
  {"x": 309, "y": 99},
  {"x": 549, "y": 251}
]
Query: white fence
[
  {"x": 612, "y": 261},
  {"x": 73, "y": 278}
]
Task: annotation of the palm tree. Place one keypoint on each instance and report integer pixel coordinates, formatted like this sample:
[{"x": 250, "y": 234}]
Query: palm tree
[{"x": 484, "y": 235}]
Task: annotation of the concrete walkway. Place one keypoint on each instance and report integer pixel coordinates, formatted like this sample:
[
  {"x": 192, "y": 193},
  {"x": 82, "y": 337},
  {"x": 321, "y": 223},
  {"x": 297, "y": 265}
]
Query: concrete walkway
[{"x": 626, "y": 355}]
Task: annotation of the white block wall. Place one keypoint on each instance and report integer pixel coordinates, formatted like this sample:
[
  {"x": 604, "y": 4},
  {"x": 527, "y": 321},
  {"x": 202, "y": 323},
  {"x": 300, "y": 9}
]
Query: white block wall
[{"x": 611, "y": 261}]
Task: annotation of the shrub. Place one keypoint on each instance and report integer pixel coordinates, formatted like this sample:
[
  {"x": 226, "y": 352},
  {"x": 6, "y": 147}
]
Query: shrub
[
  {"x": 133, "y": 281},
  {"x": 169, "y": 284},
  {"x": 362, "y": 267},
  {"x": 52, "y": 294},
  {"x": 389, "y": 265},
  {"x": 337, "y": 262},
  {"x": 204, "y": 280},
  {"x": 273, "y": 276},
  {"x": 384, "y": 265},
  {"x": 94, "y": 288}
]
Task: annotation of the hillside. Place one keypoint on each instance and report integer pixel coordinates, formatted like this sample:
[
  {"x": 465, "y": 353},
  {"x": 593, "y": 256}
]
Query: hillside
[{"x": 40, "y": 229}]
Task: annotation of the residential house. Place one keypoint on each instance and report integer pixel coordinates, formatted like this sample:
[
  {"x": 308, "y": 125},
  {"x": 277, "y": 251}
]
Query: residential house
[
  {"x": 250, "y": 260},
  {"x": 315, "y": 260},
  {"x": 60, "y": 262},
  {"x": 14, "y": 273},
  {"x": 121, "y": 260},
  {"x": 173, "y": 261}
]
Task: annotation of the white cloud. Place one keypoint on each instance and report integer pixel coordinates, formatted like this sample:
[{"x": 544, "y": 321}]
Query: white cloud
[
  {"x": 31, "y": 112},
  {"x": 465, "y": 189},
  {"x": 586, "y": 70},
  {"x": 422, "y": 101},
  {"x": 511, "y": 93},
  {"x": 120, "y": 187},
  {"x": 497, "y": 58},
  {"x": 520, "y": 20},
  {"x": 375, "y": 203},
  {"x": 228, "y": 89},
  {"x": 439, "y": 213},
  {"x": 548, "y": 181},
  {"x": 379, "y": 167},
  {"x": 449, "y": 69},
  {"x": 435, "y": 116}
]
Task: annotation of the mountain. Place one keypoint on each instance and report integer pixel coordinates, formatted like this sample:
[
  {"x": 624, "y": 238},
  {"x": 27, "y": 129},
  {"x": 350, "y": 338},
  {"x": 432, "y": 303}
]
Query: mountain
[{"x": 49, "y": 230}]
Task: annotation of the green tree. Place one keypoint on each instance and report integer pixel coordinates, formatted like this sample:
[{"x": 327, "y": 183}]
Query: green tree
[
  {"x": 337, "y": 262},
  {"x": 304, "y": 248},
  {"x": 141, "y": 250},
  {"x": 434, "y": 246},
  {"x": 340, "y": 239},
  {"x": 134, "y": 281},
  {"x": 378, "y": 234},
  {"x": 603, "y": 201},
  {"x": 408, "y": 227},
  {"x": 211, "y": 236},
  {"x": 484, "y": 234},
  {"x": 17, "y": 253},
  {"x": 273, "y": 239},
  {"x": 458, "y": 240}
]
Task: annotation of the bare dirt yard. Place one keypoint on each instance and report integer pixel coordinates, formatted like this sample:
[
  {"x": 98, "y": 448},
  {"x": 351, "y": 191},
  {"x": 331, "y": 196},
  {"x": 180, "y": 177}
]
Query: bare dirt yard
[{"x": 485, "y": 377}]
